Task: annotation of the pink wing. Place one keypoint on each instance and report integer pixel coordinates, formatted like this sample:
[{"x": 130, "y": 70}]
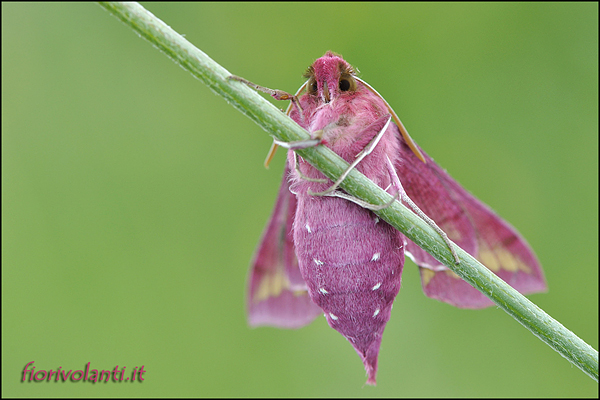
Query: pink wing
[
  {"x": 470, "y": 224},
  {"x": 277, "y": 294}
]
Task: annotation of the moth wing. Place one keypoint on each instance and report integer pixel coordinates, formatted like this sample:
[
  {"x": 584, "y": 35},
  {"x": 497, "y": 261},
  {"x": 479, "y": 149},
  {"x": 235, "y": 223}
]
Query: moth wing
[
  {"x": 473, "y": 226},
  {"x": 277, "y": 294}
]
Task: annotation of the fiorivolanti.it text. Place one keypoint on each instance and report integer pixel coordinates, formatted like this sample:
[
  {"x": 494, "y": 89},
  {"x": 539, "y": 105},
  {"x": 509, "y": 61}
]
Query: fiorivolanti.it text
[{"x": 117, "y": 374}]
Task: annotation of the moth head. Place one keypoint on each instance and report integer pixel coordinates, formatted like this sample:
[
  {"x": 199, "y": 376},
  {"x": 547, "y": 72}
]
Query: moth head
[{"x": 330, "y": 77}]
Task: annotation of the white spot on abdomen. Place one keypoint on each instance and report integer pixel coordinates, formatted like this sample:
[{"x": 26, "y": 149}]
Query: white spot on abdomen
[
  {"x": 376, "y": 312},
  {"x": 318, "y": 262},
  {"x": 323, "y": 291},
  {"x": 333, "y": 316},
  {"x": 376, "y": 256},
  {"x": 308, "y": 228},
  {"x": 376, "y": 286}
]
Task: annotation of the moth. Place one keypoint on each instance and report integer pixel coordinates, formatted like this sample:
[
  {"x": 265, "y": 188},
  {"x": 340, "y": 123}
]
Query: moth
[{"x": 325, "y": 254}]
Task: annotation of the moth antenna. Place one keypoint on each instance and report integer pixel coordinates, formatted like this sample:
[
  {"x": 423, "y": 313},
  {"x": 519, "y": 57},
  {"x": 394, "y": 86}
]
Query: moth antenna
[
  {"x": 270, "y": 155},
  {"x": 411, "y": 144}
]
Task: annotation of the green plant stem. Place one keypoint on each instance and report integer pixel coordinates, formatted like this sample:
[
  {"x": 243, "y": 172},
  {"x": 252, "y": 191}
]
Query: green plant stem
[{"x": 278, "y": 125}]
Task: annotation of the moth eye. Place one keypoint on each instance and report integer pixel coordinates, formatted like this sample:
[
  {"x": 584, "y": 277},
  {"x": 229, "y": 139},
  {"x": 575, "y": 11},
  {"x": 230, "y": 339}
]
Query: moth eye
[
  {"x": 312, "y": 86},
  {"x": 344, "y": 85},
  {"x": 347, "y": 83}
]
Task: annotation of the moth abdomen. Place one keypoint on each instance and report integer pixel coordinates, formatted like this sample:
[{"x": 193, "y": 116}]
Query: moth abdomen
[{"x": 352, "y": 265}]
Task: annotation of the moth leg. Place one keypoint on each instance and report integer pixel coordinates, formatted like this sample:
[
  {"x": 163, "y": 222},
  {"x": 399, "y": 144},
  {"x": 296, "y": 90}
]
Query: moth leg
[
  {"x": 276, "y": 94},
  {"x": 299, "y": 144},
  {"x": 363, "y": 204},
  {"x": 303, "y": 144},
  {"x": 359, "y": 157},
  {"x": 304, "y": 177},
  {"x": 396, "y": 182}
]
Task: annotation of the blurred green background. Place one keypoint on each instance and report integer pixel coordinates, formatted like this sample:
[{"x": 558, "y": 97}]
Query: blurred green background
[{"x": 133, "y": 197}]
